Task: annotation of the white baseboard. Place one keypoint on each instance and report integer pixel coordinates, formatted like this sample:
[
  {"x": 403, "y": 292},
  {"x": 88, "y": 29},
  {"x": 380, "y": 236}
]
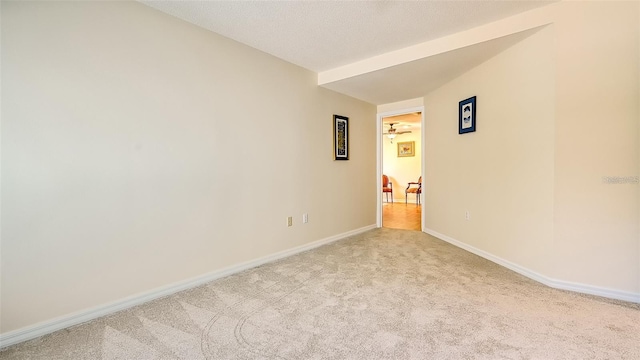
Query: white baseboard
[
  {"x": 554, "y": 283},
  {"x": 400, "y": 201},
  {"x": 46, "y": 327}
]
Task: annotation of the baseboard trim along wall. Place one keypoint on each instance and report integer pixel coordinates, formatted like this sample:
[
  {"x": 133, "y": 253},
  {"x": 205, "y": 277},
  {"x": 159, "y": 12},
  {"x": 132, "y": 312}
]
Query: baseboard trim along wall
[
  {"x": 399, "y": 200},
  {"x": 554, "y": 283},
  {"x": 47, "y": 327}
]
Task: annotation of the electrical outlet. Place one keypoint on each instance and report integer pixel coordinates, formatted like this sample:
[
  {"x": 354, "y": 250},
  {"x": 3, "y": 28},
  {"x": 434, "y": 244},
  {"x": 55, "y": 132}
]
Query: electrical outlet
[
  {"x": 466, "y": 215},
  {"x": 305, "y": 218},
  {"x": 290, "y": 221}
]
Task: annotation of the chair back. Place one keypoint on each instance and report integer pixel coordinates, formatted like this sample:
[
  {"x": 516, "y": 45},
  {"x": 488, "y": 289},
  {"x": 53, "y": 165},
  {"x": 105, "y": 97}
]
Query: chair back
[{"x": 385, "y": 181}]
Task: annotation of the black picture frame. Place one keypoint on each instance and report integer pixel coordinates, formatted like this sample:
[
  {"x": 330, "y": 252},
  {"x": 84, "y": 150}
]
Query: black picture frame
[
  {"x": 467, "y": 115},
  {"x": 341, "y": 137}
]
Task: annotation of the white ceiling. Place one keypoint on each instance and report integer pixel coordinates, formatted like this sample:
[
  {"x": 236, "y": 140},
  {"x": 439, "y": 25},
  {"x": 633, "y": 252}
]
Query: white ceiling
[
  {"x": 404, "y": 122},
  {"x": 323, "y": 35},
  {"x": 418, "y": 78}
]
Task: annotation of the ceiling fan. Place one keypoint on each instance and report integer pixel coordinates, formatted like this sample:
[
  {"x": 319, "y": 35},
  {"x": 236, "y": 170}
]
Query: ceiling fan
[{"x": 392, "y": 132}]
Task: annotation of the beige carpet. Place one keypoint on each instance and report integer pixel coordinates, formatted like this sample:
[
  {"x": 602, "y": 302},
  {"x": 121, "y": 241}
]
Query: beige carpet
[{"x": 385, "y": 294}]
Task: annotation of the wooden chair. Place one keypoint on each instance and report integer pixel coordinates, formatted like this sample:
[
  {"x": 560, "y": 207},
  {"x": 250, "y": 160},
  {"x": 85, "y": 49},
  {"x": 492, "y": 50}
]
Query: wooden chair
[
  {"x": 414, "y": 188},
  {"x": 387, "y": 187}
]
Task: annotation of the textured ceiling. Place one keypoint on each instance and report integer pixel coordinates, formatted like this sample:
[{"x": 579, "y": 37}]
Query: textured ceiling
[
  {"x": 417, "y": 78},
  {"x": 322, "y": 35},
  {"x": 404, "y": 122}
]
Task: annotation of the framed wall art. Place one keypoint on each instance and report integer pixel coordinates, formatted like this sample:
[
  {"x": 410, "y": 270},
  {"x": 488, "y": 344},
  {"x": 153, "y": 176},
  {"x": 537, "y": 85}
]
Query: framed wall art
[
  {"x": 407, "y": 148},
  {"x": 341, "y": 137},
  {"x": 467, "y": 115}
]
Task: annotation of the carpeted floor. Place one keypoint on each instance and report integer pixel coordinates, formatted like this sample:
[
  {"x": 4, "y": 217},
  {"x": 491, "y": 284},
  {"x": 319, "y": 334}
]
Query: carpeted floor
[{"x": 384, "y": 294}]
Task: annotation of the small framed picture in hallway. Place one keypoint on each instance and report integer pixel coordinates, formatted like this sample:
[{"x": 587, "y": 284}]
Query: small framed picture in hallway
[
  {"x": 341, "y": 137},
  {"x": 467, "y": 115},
  {"x": 406, "y": 148}
]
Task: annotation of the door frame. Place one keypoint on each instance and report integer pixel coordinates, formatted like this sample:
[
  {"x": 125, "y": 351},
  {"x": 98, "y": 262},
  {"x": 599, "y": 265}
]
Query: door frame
[{"x": 379, "y": 131}]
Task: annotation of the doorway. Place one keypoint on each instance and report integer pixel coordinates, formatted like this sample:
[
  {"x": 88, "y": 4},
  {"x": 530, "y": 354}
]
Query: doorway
[{"x": 400, "y": 169}]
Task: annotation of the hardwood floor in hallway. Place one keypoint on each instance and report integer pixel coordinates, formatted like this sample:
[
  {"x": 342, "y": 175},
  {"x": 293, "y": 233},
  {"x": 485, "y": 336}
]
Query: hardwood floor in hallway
[{"x": 399, "y": 215}]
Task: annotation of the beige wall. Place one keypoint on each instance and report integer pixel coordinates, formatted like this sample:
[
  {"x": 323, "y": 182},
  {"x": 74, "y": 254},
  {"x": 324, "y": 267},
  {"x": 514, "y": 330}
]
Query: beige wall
[
  {"x": 557, "y": 112},
  {"x": 139, "y": 151},
  {"x": 596, "y": 231},
  {"x": 402, "y": 170},
  {"x": 400, "y": 105},
  {"x": 502, "y": 174}
]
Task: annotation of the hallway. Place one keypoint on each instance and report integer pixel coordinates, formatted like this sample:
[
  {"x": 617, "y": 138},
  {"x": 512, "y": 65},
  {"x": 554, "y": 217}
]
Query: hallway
[{"x": 399, "y": 215}]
